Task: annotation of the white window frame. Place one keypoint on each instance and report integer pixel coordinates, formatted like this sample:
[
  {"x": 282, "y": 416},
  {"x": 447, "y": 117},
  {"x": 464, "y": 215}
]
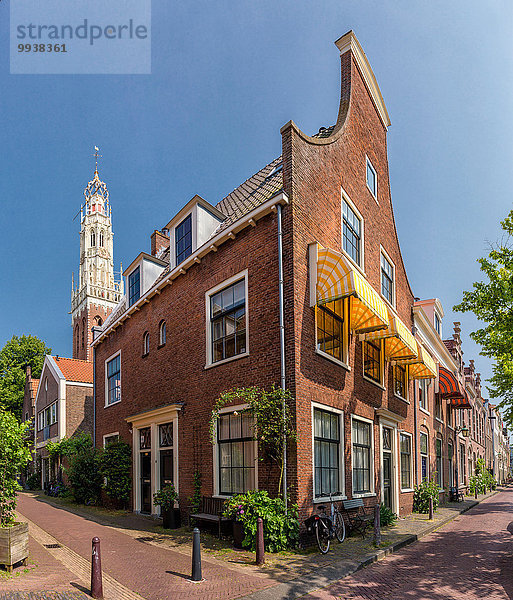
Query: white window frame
[
  {"x": 341, "y": 461},
  {"x": 384, "y": 254},
  {"x": 380, "y": 384},
  {"x": 162, "y": 327},
  {"x": 146, "y": 343},
  {"x": 425, "y": 410},
  {"x": 404, "y": 398},
  {"x": 345, "y": 341},
  {"x": 107, "y": 360},
  {"x": 373, "y": 462},
  {"x": 438, "y": 318},
  {"x": 441, "y": 486},
  {"x": 215, "y": 451},
  {"x": 410, "y": 489},
  {"x": 224, "y": 284},
  {"x": 138, "y": 267},
  {"x": 368, "y": 164},
  {"x": 108, "y": 435},
  {"x": 345, "y": 198},
  {"x": 421, "y": 433}
]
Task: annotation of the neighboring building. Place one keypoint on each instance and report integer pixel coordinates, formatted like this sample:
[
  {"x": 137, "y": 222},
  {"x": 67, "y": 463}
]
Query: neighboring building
[
  {"x": 29, "y": 396},
  {"x": 202, "y": 314},
  {"x": 63, "y": 406},
  {"x": 500, "y": 445},
  {"x": 97, "y": 292}
]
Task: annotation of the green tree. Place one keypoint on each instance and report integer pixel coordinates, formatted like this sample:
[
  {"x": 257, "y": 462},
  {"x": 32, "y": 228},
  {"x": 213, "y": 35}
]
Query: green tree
[
  {"x": 492, "y": 303},
  {"x": 116, "y": 468},
  {"x": 15, "y": 356},
  {"x": 14, "y": 456}
]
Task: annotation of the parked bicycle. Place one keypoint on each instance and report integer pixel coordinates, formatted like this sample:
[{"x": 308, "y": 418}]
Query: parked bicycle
[{"x": 327, "y": 527}]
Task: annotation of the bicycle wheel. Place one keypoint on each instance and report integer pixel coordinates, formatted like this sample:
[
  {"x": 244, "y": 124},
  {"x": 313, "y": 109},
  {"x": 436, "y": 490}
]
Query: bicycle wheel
[
  {"x": 340, "y": 527},
  {"x": 322, "y": 535}
]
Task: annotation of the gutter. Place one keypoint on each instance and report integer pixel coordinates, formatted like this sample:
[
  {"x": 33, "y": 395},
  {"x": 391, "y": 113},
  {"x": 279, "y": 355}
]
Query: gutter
[{"x": 282, "y": 347}]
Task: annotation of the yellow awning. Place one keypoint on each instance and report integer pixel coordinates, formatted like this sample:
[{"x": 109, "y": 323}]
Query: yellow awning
[
  {"x": 422, "y": 367},
  {"x": 399, "y": 341},
  {"x": 336, "y": 278}
]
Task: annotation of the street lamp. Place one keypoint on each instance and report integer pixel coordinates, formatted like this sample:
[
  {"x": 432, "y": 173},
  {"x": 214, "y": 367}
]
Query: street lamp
[{"x": 463, "y": 430}]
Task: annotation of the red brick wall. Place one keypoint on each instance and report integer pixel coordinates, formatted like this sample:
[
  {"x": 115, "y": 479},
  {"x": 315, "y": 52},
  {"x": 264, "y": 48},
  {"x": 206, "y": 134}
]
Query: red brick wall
[
  {"x": 85, "y": 320},
  {"x": 47, "y": 397},
  {"x": 79, "y": 409}
]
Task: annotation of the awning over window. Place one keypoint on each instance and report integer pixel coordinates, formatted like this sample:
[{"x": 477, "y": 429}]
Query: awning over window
[
  {"x": 336, "y": 278},
  {"x": 399, "y": 341},
  {"x": 451, "y": 389},
  {"x": 422, "y": 367}
]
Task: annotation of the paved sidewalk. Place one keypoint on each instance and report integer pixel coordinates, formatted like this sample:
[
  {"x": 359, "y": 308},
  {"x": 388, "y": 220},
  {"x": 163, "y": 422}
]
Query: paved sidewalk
[{"x": 469, "y": 558}]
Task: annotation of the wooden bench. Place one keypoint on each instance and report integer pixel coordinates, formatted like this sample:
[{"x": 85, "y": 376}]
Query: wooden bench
[
  {"x": 455, "y": 495},
  {"x": 210, "y": 510},
  {"x": 357, "y": 516}
]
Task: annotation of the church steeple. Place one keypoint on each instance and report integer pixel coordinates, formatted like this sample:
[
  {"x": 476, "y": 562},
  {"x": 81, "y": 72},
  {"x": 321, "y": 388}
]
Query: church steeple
[{"x": 97, "y": 292}]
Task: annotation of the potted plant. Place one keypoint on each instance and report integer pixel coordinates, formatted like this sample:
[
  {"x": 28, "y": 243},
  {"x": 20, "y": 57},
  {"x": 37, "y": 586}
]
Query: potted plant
[
  {"x": 235, "y": 511},
  {"x": 14, "y": 456},
  {"x": 166, "y": 499}
]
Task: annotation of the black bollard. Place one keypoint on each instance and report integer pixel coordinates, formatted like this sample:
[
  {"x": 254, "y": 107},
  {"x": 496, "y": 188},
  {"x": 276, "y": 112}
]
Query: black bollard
[
  {"x": 196, "y": 556},
  {"x": 96, "y": 571},
  {"x": 377, "y": 525},
  {"x": 260, "y": 551},
  {"x": 475, "y": 492},
  {"x": 430, "y": 508}
]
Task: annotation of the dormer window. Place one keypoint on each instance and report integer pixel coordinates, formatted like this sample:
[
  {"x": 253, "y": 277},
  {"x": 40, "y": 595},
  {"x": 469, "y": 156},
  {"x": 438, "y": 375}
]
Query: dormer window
[
  {"x": 183, "y": 239},
  {"x": 134, "y": 286},
  {"x": 438, "y": 325}
]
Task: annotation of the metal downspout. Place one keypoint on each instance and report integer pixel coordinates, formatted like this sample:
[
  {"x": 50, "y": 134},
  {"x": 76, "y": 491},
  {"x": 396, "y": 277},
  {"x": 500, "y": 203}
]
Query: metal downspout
[
  {"x": 282, "y": 346},
  {"x": 415, "y": 433},
  {"x": 94, "y": 397}
]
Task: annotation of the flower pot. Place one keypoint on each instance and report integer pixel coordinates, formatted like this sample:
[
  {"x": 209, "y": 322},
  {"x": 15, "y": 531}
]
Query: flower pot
[
  {"x": 13, "y": 544},
  {"x": 171, "y": 518},
  {"x": 238, "y": 534}
]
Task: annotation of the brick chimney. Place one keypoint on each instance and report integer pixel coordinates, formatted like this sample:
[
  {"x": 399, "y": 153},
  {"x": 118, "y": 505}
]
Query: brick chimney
[{"x": 159, "y": 242}]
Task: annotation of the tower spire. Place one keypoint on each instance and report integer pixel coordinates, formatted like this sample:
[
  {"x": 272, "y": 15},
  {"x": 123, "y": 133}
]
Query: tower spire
[{"x": 96, "y": 155}]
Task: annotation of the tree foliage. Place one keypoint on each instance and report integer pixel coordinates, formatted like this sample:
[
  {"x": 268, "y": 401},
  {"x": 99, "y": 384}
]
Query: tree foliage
[
  {"x": 84, "y": 470},
  {"x": 14, "y": 456},
  {"x": 116, "y": 468},
  {"x": 492, "y": 303},
  {"x": 15, "y": 356}
]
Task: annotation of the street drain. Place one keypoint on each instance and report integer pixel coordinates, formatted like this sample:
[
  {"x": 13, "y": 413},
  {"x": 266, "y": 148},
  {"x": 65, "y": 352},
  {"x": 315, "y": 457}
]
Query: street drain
[{"x": 53, "y": 546}]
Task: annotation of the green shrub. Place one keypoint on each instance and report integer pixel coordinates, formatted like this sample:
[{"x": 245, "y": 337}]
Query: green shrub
[
  {"x": 281, "y": 530},
  {"x": 482, "y": 479},
  {"x": 386, "y": 516},
  {"x": 422, "y": 494},
  {"x": 116, "y": 468},
  {"x": 34, "y": 481},
  {"x": 84, "y": 472},
  {"x": 195, "y": 499},
  {"x": 166, "y": 497}
]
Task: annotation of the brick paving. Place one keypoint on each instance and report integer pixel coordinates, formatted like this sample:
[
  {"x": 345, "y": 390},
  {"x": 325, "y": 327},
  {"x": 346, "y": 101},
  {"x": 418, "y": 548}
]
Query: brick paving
[
  {"x": 154, "y": 572},
  {"x": 469, "y": 558}
]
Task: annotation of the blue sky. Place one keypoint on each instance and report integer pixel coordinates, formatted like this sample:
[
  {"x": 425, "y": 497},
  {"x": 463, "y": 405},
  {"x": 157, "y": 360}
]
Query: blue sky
[{"x": 225, "y": 77}]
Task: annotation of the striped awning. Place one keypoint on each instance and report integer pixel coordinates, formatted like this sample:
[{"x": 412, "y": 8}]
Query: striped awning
[
  {"x": 450, "y": 388},
  {"x": 422, "y": 367},
  {"x": 336, "y": 278},
  {"x": 399, "y": 341}
]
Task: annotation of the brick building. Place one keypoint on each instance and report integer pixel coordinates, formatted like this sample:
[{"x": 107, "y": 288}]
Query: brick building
[
  {"x": 309, "y": 242},
  {"x": 61, "y": 406}
]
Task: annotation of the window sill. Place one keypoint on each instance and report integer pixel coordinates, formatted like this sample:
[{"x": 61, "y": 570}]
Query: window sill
[
  {"x": 112, "y": 404},
  {"x": 161, "y": 346},
  {"x": 226, "y": 360},
  {"x": 372, "y": 193},
  {"x": 425, "y": 411},
  {"x": 325, "y": 499},
  {"x": 401, "y": 398},
  {"x": 380, "y": 385},
  {"x": 387, "y": 301},
  {"x": 407, "y": 490},
  {"x": 439, "y": 420},
  {"x": 144, "y": 355},
  {"x": 365, "y": 495},
  {"x": 332, "y": 359},
  {"x": 354, "y": 263}
]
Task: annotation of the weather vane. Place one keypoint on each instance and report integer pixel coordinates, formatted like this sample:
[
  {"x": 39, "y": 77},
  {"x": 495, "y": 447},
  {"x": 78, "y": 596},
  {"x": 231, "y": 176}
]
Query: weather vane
[{"x": 97, "y": 155}]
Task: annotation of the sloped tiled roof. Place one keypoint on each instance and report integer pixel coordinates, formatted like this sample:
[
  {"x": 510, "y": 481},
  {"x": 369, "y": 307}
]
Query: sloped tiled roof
[
  {"x": 254, "y": 191},
  {"x": 75, "y": 370},
  {"x": 33, "y": 385}
]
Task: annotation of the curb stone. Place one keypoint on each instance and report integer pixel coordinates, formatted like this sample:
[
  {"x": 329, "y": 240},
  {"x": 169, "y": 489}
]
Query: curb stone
[{"x": 313, "y": 581}]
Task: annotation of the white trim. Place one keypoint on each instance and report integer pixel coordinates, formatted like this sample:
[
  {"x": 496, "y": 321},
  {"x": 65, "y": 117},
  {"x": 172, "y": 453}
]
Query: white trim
[
  {"x": 408, "y": 434},
  {"x": 329, "y": 357},
  {"x": 372, "y": 491},
  {"x": 344, "y": 197},
  {"x": 107, "y": 360},
  {"x": 380, "y": 383},
  {"x": 392, "y": 425},
  {"x": 406, "y": 383},
  {"x": 341, "y": 448},
  {"x": 345, "y": 336},
  {"x": 221, "y": 286},
  {"x": 211, "y": 245},
  {"x": 349, "y": 42},
  {"x": 80, "y": 383},
  {"x": 383, "y": 253},
  {"x": 215, "y": 452},
  {"x": 107, "y": 435},
  {"x": 368, "y": 163}
]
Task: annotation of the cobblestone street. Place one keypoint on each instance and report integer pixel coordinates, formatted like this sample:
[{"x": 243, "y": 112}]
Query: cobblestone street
[{"x": 469, "y": 558}]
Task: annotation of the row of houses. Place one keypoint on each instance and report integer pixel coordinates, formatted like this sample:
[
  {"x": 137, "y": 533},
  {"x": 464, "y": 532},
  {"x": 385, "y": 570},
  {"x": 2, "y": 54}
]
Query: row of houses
[{"x": 294, "y": 279}]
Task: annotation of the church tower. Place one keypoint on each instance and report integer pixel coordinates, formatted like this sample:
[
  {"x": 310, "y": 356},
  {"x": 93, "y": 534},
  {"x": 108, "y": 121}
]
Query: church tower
[{"x": 97, "y": 293}]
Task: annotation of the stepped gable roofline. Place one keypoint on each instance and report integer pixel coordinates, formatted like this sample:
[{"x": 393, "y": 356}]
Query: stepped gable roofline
[
  {"x": 348, "y": 43},
  {"x": 74, "y": 369}
]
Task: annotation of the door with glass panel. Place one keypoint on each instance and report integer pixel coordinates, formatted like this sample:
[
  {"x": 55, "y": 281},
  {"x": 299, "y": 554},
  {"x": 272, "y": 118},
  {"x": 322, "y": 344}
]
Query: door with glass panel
[
  {"x": 145, "y": 468},
  {"x": 166, "y": 454},
  {"x": 387, "y": 468}
]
